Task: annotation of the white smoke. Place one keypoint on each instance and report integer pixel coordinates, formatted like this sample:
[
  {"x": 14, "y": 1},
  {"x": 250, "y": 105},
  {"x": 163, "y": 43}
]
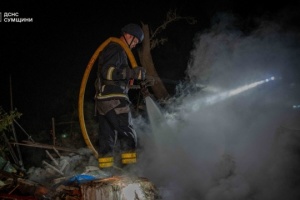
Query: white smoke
[{"x": 245, "y": 146}]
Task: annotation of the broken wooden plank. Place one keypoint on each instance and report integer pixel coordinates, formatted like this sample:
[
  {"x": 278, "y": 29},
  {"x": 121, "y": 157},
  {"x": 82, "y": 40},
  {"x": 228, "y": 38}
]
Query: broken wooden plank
[{"x": 44, "y": 146}]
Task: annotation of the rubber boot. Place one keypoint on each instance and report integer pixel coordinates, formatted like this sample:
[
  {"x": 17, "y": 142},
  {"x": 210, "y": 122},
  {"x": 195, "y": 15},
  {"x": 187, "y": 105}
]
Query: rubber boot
[
  {"x": 129, "y": 160},
  {"x": 106, "y": 165}
]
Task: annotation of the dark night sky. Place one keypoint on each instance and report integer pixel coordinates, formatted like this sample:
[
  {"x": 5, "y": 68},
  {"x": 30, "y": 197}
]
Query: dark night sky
[{"x": 47, "y": 58}]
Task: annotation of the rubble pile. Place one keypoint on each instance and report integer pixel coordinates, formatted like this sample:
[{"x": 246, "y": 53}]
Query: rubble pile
[{"x": 73, "y": 176}]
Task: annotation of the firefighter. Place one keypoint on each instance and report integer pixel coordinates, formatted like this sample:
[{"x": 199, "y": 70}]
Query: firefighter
[{"x": 112, "y": 101}]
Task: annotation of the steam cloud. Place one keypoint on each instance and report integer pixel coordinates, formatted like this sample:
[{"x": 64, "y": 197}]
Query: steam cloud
[{"x": 243, "y": 147}]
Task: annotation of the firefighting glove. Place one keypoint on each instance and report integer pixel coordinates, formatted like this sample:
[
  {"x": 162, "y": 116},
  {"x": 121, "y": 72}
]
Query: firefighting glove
[
  {"x": 138, "y": 73},
  {"x": 145, "y": 92}
]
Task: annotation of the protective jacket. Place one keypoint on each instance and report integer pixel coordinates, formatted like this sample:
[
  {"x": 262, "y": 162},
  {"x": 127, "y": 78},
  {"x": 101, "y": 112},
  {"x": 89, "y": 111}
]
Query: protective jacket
[{"x": 114, "y": 83}]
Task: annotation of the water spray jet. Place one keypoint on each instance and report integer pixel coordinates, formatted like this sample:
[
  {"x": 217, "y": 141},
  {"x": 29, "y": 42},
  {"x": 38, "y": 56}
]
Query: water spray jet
[{"x": 213, "y": 99}]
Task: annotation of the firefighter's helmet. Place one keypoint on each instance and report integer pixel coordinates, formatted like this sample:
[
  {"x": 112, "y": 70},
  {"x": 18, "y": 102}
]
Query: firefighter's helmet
[{"x": 135, "y": 30}]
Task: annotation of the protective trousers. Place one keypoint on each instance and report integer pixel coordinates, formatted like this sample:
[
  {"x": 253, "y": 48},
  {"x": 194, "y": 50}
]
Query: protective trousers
[{"x": 117, "y": 138}]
